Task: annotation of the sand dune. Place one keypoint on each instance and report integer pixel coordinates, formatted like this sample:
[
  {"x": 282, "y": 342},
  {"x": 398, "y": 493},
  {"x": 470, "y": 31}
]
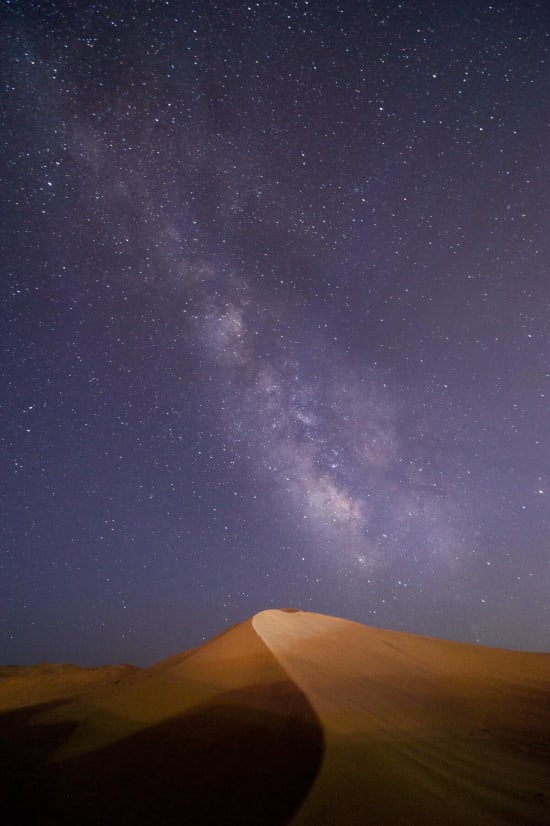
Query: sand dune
[{"x": 290, "y": 717}]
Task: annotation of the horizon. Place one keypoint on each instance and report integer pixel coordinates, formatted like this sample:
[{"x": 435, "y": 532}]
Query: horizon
[{"x": 143, "y": 666}]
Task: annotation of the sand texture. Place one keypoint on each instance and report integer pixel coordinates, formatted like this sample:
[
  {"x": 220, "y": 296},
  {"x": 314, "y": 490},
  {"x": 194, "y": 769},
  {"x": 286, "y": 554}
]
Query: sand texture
[{"x": 290, "y": 717}]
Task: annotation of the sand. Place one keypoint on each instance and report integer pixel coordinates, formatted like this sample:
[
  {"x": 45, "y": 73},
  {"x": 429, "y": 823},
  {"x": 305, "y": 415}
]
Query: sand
[
  {"x": 30, "y": 685},
  {"x": 290, "y": 717},
  {"x": 221, "y": 735},
  {"x": 418, "y": 730}
]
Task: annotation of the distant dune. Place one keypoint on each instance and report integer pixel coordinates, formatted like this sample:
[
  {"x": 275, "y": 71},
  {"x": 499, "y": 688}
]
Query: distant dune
[{"x": 290, "y": 717}]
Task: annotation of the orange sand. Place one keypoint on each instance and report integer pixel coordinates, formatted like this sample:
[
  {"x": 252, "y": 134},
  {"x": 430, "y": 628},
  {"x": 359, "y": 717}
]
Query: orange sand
[{"x": 287, "y": 718}]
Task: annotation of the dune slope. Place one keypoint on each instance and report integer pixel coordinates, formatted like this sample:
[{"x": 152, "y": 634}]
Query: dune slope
[{"x": 418, "y": 730}]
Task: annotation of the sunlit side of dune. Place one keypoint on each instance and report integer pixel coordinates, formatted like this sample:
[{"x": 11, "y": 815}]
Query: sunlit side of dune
[{"x": 418, "y": 730}]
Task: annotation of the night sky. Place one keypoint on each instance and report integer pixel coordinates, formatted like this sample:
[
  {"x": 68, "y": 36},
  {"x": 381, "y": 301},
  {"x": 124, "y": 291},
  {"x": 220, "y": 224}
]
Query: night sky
[{"x": 275, "y": 318}]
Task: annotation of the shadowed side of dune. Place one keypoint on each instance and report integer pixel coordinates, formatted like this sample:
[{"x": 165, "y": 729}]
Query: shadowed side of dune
[
  {"x": 24, "y": 751},
  {"x": 244, "y": 757}
]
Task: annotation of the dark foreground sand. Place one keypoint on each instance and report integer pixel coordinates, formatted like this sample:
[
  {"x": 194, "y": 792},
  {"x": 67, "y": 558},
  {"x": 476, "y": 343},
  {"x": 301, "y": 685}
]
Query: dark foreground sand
[{"x": 288, "y": 718}]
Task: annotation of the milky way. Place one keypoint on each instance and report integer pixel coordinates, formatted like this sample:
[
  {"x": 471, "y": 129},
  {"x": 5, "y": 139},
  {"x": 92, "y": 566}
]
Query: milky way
[
  {"x": 275, "y": 321},
  {"x": 327, "y": 436}
]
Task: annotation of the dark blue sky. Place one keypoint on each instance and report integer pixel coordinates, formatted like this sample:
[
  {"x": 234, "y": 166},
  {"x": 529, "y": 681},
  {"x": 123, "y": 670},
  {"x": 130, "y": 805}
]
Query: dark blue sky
[{"x": 275, "y": 321}]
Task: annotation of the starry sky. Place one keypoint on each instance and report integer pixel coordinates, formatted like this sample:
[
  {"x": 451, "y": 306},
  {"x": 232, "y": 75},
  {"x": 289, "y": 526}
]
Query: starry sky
[{"x": 275, "y": 320}]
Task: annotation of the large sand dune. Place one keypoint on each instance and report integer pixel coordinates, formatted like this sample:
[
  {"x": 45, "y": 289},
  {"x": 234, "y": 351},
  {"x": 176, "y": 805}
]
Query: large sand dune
[{"x": 290, "y": 717}]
